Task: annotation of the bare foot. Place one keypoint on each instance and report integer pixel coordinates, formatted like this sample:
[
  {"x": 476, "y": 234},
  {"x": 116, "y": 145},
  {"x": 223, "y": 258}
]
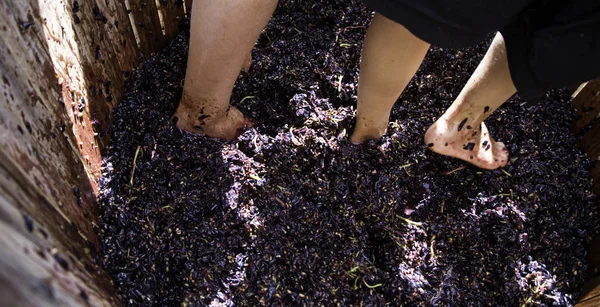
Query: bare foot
[
  {"x": 463, "y": 141},
  {"x": 365, "y": 131},
  {"x": 228, "y": 125}
]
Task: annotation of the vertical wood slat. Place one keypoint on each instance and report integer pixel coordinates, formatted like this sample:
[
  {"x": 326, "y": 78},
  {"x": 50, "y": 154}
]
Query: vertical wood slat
[
  {"x": 589, "y": 142},
  {"x": 92, "y": 46},
  {"x": 593, "y": 259},
  {"x": 590, "y": 291},
  {"x": 587, "y": 104},
  {"x": 35, "y": 133},
  {"x": 47, "y": 202},
  {"x": 188, "y": 7},
  {"x": 146, "y": 20},
  {"x": 595, "y": 174},
  {"x": 42, "y": 254},
  {"x": 120, "y": 32},
  {"x": 172, "y": 14},
  {"x": 592, "y": 302}
]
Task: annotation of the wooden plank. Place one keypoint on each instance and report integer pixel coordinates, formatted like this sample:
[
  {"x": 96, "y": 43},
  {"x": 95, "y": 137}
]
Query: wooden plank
[
  {"x": 592, "y": 302},
  {"x": 44, "y": 260},
  {"x": 119, "y": 31},
  {"x": 147, "y": 23},
  {"x": 595, "y": 175},
  {"x": 47, "y": 202},
  {"x": 590, "y": 141},
  {"x": 92, "y": 47},
  {"x": 35, "y": 133},
  {"x": 188, "y": 7},
  {"x": 594, "y": 255},
  {"x": 172, "y": 14},
  {"x": 590, "y": 290},
  {"x": 587, "y": 104}
]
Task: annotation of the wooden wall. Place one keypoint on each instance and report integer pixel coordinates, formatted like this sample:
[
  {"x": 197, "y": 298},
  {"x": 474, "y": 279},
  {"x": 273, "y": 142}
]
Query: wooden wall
[
  {"x": 587, "y": 104},
  {"x": 63, "y": 64}
]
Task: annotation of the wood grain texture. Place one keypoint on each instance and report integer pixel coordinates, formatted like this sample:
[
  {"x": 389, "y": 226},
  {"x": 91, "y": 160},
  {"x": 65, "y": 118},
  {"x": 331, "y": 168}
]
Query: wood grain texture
[
  {"x": 36, "y": 132},
  {"x": 591, "y": 302},
  {"x": 147, "y": 23},
  {"x": 92, "y": 48},
  {"x": 172, "y": 14},
  {"x": 590, "y": 290},
  {"x": 188, "y": 7},
  {"x": 587, "y": 104},
  {"x": 590, "y": 143},
  {"x": 44, "y": 180},
  {"x": 44, "y": 259}
]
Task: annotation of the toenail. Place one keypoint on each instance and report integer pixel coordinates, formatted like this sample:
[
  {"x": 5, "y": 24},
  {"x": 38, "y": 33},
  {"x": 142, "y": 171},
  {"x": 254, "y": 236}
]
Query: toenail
[
  {"x": 430, "y": 144},
  {"x": 486, "y": 109},
  {"x": 487, "y": 147},
  {"x": 469, "y": 127},
  {"x": 471, "y": 157},
  {"x": 460, "y": 126},
  {"x": 485, "y": 143},
  {"x": 446, "y": 144}
]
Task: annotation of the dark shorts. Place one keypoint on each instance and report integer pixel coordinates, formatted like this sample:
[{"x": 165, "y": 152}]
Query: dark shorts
[{"x": 549, "y": 43}]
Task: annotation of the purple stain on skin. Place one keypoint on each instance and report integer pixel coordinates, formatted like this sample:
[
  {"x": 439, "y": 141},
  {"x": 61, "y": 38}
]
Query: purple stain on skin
[
  {"x": 484, "y": 143},
  {"x": 462, "y": 124},
  {"x": 469, "y": 146},
  {"x": 488, "y": 147}
]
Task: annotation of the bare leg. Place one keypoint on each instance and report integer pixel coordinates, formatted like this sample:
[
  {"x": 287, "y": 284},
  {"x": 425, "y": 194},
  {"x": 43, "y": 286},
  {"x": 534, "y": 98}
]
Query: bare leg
[
  {"x": 460, "y": 132},
  {"x": 222, "y": 35},
  {"x": 391, "y": 55}
]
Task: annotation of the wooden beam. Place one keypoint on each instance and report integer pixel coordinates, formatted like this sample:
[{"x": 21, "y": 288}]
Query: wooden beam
[
  {"x": 172, "y": 14},
  {"x": 146, "y": 20},
  {"x": 589, "y": 141},
  {"x": 590, "y": 290},
  {"x": 43, "y": 260},
  {"x": 591, "y": 302},
  {"x": 47, "y": 201},
  {"x": 84, "y": 47},
  {"x": 188, "y": 7},
  {"x": 587, "y": 104},
  {"x": 37, "y": 141}
]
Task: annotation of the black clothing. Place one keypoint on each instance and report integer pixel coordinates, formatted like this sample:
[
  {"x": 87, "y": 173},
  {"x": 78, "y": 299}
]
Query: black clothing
[{"x": 549, "y": 43}]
